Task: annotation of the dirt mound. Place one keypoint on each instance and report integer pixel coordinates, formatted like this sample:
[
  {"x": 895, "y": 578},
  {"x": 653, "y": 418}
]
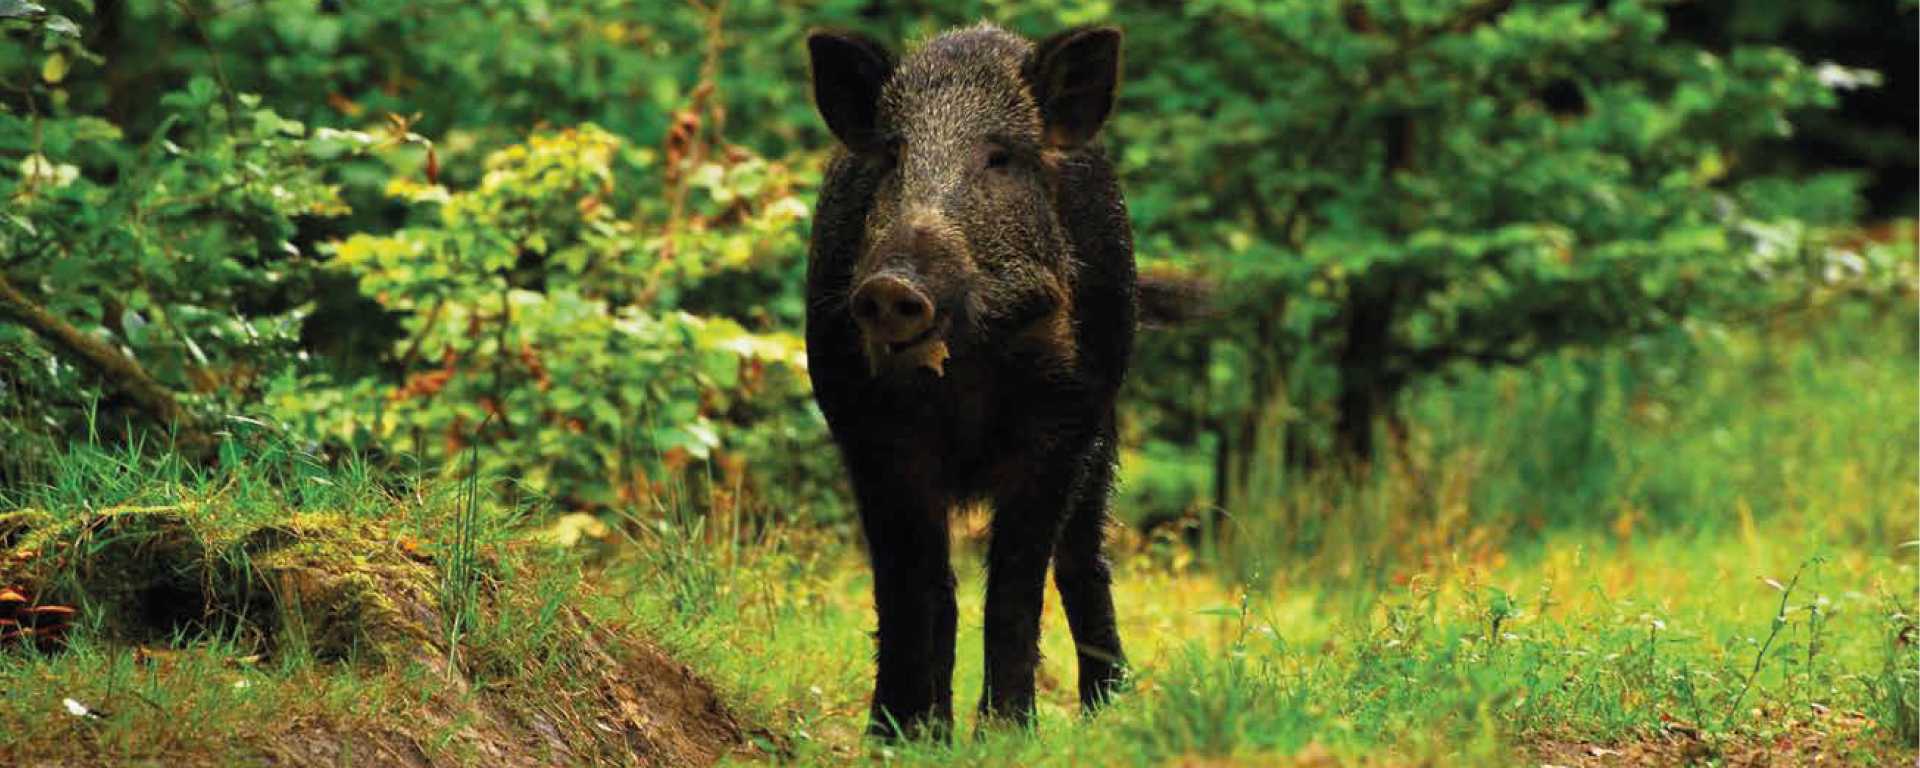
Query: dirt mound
[
  {"x": 325, "y": 603},
  {"x": 640, "y": 707}
]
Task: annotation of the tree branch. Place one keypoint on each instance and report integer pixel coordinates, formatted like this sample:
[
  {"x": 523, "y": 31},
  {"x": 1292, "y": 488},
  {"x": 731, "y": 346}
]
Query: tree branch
[{"x": 115, "y": 369}]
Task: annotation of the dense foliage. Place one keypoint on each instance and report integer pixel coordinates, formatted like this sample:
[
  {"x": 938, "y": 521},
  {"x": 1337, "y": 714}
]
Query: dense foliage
[
  {"x": 570, "y": 235},
  {"x": 545, "y": 316}
]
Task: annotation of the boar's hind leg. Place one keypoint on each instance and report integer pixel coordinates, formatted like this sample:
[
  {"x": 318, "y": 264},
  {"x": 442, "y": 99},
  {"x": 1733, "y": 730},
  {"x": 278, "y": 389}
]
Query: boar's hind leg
[
  {"x": 913, "y": 594},
  {"x": 1085, "y": 581}
]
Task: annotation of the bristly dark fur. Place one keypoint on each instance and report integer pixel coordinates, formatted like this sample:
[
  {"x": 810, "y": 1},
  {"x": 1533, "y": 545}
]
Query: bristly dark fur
[{"x": 1005, "y": 214}]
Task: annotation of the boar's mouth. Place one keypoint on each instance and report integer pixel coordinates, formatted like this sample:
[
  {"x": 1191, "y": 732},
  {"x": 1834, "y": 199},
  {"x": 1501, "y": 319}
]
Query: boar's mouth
[
  {"x": 902, "y": 346},
  {"x": 927, "y": 351}
]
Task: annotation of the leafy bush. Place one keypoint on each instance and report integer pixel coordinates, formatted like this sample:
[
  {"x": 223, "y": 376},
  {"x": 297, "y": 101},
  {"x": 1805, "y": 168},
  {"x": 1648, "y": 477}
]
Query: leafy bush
[
  {"x": 163, "y": 258},
  {"x": 542, "y": 321},
  {"x": 583, "y": 312}
]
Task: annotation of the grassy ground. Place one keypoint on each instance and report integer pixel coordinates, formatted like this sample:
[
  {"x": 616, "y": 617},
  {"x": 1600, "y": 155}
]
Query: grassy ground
[{"x": 1615, "y": 557}]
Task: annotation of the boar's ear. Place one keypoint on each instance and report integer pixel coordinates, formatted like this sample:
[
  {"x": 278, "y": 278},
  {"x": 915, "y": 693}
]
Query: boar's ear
[
  {"x": 1074, "y": 75},
  {"x": 848, "y": 70}
]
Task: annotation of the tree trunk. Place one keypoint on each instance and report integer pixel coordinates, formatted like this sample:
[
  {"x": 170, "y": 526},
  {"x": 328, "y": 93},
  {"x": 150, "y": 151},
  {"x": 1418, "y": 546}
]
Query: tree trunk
[
  {"x": 1363, "y": 398},
  {"x": 1365, "y": 394}
]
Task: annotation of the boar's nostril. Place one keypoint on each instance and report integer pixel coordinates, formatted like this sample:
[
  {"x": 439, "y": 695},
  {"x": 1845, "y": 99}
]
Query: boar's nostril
[{"x": 891, "y": 310}]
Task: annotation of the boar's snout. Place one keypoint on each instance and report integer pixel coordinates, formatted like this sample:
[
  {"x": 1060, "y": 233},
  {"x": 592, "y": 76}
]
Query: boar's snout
[{"x": 891, "y": 309}]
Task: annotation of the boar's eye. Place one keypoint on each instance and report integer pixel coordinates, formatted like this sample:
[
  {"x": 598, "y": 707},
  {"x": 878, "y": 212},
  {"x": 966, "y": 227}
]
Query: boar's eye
[{"x": 998, "y": 158}]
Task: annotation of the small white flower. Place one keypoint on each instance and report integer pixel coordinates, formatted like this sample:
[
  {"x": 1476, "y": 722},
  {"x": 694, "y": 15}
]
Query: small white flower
[{"x": 37, "y": 169}]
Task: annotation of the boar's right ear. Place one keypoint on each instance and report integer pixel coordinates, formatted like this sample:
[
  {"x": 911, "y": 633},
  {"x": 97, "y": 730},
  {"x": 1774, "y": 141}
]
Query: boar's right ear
[{"x": 848, "y": 70}]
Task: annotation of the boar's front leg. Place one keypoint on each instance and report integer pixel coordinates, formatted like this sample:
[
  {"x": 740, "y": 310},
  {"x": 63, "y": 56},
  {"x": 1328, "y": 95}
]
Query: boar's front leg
[
  {"x": 1028, "y": 512},
  {"x": 913, "y": 584}
]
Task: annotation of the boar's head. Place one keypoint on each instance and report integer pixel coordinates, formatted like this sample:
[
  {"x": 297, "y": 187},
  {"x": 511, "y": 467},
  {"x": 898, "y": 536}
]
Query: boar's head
[{"x": 963, "y": 250}]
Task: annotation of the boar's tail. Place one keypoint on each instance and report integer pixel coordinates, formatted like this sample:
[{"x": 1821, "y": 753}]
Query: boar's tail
[{"x": 1168, "y": 299}]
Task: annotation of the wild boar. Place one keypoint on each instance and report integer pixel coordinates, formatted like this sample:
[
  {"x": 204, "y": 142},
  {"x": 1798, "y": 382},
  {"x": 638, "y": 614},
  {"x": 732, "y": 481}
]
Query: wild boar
[{"x": 971, "y": 309}]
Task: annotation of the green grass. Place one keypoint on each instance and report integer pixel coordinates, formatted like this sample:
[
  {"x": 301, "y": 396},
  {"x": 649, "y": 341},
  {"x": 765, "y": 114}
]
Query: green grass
[
  {"x": 1591, "y": 639},
  {"x": 1595, "y": 550}
]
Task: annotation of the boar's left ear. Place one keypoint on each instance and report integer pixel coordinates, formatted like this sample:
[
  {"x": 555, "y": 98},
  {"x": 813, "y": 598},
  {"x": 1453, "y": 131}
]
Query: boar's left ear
[
  {"x": 1074, "y": 76},
  {"x": 848, "y": 72}
]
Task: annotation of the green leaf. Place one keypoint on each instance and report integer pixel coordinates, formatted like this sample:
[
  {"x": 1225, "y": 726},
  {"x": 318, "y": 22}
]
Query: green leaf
[
  {"x": 62, "y": 25},
  {"x": 19, "y": 9}
]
